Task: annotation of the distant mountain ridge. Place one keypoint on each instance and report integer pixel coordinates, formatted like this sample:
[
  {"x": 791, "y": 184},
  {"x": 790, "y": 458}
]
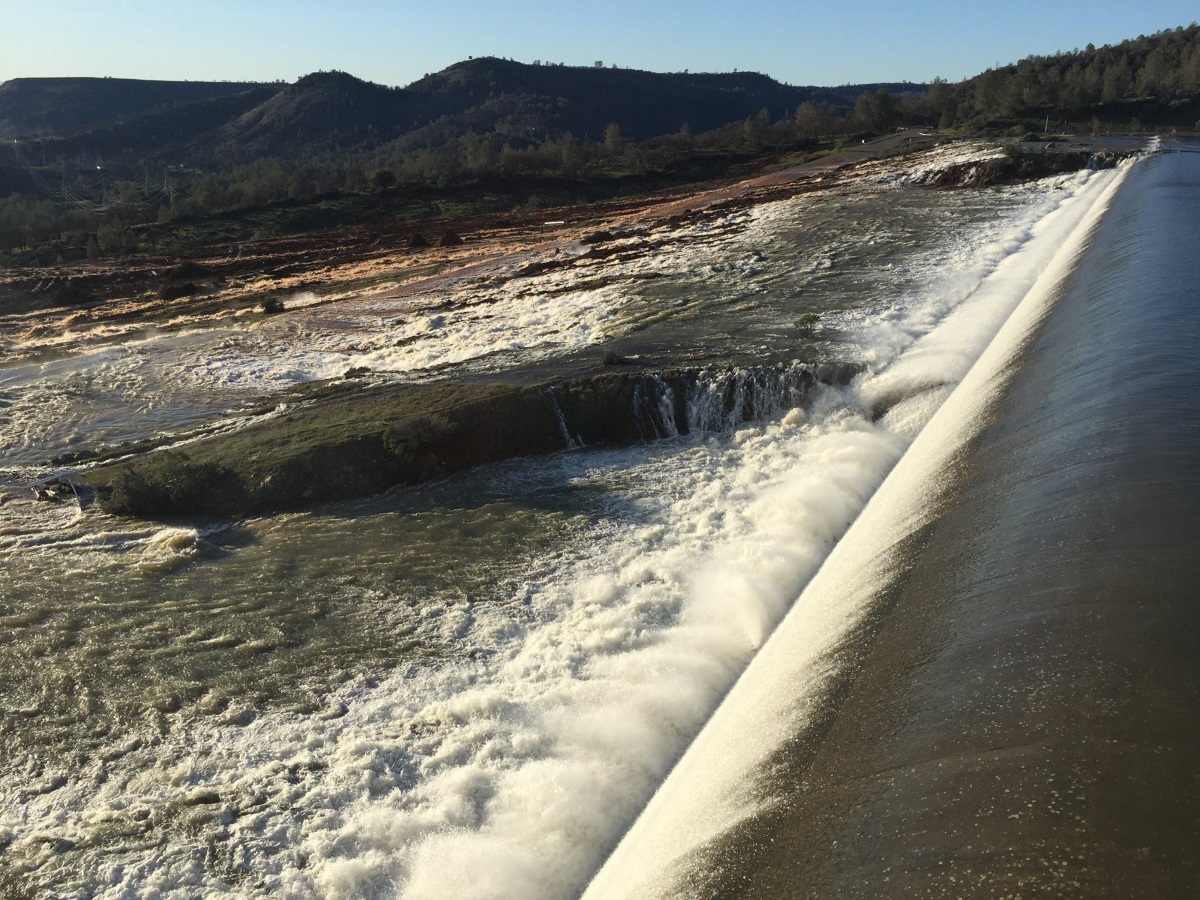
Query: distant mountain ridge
[
  {"x": 65, "y": 106},
  {"x": 586, "y": 99},
  {"x": 328, "y": 111}
]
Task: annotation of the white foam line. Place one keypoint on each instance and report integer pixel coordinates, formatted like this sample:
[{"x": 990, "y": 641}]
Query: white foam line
[
  {"x": 552, "y": 752},
  {"x": 714, "y": 787},
  {"x": 510, "y": 773}
]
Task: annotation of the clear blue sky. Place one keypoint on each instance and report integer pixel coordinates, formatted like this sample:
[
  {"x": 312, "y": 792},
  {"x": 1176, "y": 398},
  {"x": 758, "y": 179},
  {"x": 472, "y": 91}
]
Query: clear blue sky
[{"x": 800, "y": 42}]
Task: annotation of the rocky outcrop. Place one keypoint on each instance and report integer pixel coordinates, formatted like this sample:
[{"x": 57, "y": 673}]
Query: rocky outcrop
[
  {"x": 1017, "y": 166},
  {"x": 352, "y": 441}
]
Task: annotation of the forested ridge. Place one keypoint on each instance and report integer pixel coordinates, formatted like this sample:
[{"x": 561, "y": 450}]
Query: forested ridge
[
  {"x": 491, "y": 134},
  {"x": 1157, "y": 76}
]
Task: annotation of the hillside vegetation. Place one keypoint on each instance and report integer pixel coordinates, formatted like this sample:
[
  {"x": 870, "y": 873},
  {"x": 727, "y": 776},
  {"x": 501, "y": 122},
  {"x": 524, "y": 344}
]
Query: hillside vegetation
[
  {"x": 62, "y": 106},
  {"x": 488, "y": 133},
  {"x": 1150, "y": 81},
  {"x": 109, "y": 166}
]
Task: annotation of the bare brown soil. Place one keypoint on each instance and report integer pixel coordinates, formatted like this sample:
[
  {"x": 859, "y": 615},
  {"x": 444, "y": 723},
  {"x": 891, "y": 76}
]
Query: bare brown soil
[{"x": 236, "y": 279}]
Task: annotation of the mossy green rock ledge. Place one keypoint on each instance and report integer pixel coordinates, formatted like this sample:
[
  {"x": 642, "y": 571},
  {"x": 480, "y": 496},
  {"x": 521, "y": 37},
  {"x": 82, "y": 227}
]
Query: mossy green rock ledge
[{"x": 345, "y": 439}]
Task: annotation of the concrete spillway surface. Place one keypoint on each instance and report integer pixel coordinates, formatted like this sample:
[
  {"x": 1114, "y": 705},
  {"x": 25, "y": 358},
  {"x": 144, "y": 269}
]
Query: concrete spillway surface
[
  {"x": 991, "y": 688},
  {"x": 472, "y": 688}
]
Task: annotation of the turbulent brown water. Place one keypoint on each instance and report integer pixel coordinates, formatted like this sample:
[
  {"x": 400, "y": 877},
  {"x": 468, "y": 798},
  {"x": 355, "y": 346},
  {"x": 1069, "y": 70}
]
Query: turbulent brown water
[
  {"x": 990, "y": 688},
  {"x": 434, "y": 692}
]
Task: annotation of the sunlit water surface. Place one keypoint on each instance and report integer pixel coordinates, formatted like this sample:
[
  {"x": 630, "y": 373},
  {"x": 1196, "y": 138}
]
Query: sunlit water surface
[{"x": 469, "y": 688}]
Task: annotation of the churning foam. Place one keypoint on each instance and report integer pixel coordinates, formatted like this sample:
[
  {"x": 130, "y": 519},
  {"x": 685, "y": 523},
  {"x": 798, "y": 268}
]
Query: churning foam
[
  {"x": 513, "y": 772},
  {"x": 714, "y": 786}
]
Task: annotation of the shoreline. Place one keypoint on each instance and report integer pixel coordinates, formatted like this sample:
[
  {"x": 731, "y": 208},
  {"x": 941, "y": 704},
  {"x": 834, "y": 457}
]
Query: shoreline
[
  {"x": 339, "y": 438},
  {"x": 229, "y": 281}
]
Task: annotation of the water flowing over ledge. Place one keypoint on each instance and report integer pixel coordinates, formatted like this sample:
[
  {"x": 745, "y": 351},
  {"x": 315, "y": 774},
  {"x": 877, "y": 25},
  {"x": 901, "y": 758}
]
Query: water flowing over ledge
[
  {"x": 989, "y": 687},
  {"x": 438, "y": 691},
  {"x": 364, "y": 441}
]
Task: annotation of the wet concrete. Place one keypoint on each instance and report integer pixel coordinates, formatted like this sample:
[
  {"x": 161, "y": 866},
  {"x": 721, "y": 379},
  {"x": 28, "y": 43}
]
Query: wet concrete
[{"x": 1019, "y": 715}]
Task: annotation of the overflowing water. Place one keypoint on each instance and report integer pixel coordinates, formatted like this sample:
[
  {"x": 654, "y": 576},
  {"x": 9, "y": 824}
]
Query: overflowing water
[
  {"x": 989, "y": 688},
  {"x": 470, "y": 688},
  {"x": 712, "y": 791}
]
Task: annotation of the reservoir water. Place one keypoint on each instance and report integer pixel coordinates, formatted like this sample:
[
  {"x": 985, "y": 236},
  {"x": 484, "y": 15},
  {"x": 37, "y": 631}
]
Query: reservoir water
[{"x": 473, "y": 688}]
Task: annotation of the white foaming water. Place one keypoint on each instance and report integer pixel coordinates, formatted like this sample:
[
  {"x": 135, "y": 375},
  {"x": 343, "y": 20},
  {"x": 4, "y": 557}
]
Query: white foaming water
[
  {"x": 714, "y": 786},
  {"x": 164, "y": 381},
  {"x": 543, "y": 747},
  {"x": 171, "y": 548},
  {"x": 920, "y": 168},
  {"x": 169, "y": 380},
  {"x": 513, "y": 771}
]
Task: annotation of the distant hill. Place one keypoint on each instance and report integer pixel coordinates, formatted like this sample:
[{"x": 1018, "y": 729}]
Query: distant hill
[
  {"x": 1151, "y": 80},
  {"x": 328, "y": 111},
  {"x": 644, "y": 104},
  {"x": 320, "y": 111},
  {"x": 64, "y": 106}
]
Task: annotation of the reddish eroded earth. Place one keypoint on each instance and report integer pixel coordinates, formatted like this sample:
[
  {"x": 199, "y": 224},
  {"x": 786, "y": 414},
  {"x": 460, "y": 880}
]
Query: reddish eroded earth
[{"x": 53, "y": 308}]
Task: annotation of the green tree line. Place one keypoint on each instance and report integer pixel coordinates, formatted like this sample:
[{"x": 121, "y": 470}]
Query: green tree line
[
  {"x": 1163, "y": 67},
  {"x": 97, "y": 212}
]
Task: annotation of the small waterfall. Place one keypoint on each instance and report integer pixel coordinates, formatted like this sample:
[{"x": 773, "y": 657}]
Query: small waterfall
[
  {"x": 715, "y": 400},
  {"x": 572, "y": 442},
  {"x": 706, "y": 402},
  {"x": 721, "y": 401},
  {"x": 654, "y": 408}
]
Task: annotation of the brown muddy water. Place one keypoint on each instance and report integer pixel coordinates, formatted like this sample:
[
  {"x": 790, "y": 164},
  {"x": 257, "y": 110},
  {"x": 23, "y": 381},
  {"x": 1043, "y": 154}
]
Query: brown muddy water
[
  {"x": 433, "y": 692},
  {"x": 990, "y": 688}
]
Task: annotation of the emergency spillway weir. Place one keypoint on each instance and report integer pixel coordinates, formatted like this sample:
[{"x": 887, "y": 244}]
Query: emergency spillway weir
[
  {"x": 990, "y": 687},
  {"x": 515, "y": 681}
]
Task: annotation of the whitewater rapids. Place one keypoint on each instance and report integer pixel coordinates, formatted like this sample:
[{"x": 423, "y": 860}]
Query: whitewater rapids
[{"x": 514, "y": 748}]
